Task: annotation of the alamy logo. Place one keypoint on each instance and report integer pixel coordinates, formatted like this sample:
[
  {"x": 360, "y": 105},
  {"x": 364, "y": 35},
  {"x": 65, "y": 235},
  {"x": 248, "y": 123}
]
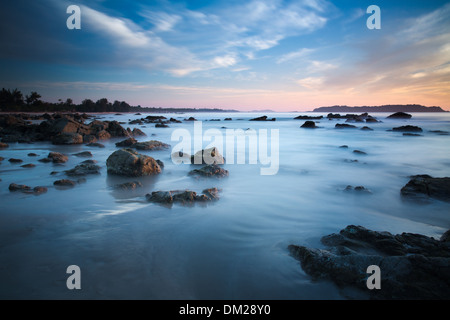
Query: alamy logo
[
  {"x": 235, "y": 143},
  {"x": 74, "y": 21},
  {"x": 74, "y": 281},
  {"x": 374, "y": 21},
  {"x": 374, "y": 281}
]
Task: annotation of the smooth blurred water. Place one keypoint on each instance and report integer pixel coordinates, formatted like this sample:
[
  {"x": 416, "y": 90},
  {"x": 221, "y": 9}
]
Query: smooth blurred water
[{"x": 235, "y": 248}]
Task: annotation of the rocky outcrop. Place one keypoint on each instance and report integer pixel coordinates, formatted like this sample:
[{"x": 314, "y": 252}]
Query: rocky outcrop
[
  {"x": 185, "y": 197},
  {"x": 129, "y": 185},
  {"x": 128, "y": 162},
  {"x": 263, "y": 118},
  {"x": 64, "y": 183},
  {"x": 309, "y": 124},
  {"x": 208, "y": 156},
  {"x": 150, "y": 145},
  {"x": 211, "y": 170},
  {"x": 413, "y": 266},
  {"x": 344, "y": 126},
  {"x": 400, "y": 115},
  {"x": 308, "y": 117},
  {"x": 57, "y": 157},
  {"x": 407, "y": 129},
  {"x": 424, "y": 186},
  {"x": 83, "y": 169}
]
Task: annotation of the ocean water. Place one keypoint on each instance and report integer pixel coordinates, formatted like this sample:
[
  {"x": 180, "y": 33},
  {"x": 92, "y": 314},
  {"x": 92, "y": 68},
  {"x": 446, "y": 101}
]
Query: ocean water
[{"x": 234, "y": 248}]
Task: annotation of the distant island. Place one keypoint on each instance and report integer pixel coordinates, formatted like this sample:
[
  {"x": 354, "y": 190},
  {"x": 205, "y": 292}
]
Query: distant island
[
  {"x": 15, "y": 101},
  {"x": 385, "y": 108}
]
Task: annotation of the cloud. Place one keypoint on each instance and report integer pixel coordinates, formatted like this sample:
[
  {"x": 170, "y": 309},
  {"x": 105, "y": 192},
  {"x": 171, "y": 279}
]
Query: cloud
[
  {"x": 295, "y": 55},
  {"x": 162, "y": 21}
]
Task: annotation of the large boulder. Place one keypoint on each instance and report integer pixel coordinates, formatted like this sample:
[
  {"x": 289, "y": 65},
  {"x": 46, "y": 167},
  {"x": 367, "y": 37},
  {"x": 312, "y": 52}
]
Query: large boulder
[
  {"x": 208, "y": 156},
  {"x": 407, "y": 128},
  {"x": 68, "y": 138},
  {"x": 413, "y": 266},
  {"x": 150, "y": 145},
  {"x": 309, "y": 124},
  {"x": 210, "y": 170},
  {"x": 400, "y": 115},
  {"x": 128, "y": 162},
  {"x": 426, "y": 186}
]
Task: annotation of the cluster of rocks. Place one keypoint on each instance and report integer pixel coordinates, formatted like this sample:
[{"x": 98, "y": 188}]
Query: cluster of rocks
[
  {"x": 185, "y": 197},
  {"x": 413, "y": 266},
  {"x": 263, "y": 118},
  {"x": 145, "y": 145},
  {"x": 421, "y": 187},
  {"x": 205, "y": 156},
  {"x": 61, "y": 129},
  {"x": 210, "y": 170},
  {"x": 301, "y": 117},
  {"x": 159, "y": 121},
  {"x": 364, "y": 117},
  {"x": 13, "y": 187}
]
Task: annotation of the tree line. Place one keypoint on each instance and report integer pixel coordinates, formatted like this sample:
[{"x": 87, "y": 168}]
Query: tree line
[{"x": 15, "y": 101}]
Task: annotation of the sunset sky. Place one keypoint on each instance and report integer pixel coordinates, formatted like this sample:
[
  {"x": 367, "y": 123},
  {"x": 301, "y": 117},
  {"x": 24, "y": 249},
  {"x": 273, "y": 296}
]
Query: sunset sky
[{"x": 245, "y": 55}]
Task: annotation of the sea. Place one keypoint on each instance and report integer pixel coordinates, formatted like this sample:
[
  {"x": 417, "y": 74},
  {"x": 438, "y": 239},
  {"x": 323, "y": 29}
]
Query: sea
[{"x": 230, "y": 249}]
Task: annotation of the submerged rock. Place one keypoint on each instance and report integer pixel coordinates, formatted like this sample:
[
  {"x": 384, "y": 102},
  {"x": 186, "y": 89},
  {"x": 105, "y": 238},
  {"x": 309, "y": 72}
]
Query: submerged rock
[
  {"x": 84, "y": 154},
  {"x": 309, "y": 124},
  {"x": 83, "y": 169},
  {"x": 18, "y": 187},
  {"x": 427, "y": 186},
  {"x": 68, "y": 138},
  {"x": 129, "y": 185},
  {"x": 127, "y": 162},
  {"x": 413, "y": 266},
  {"x": 150, "y": 145},
  {"x": 14, "y": 160},
  {"x": 263, "y": 118},
  {"x": 407, "y": 128},
  {"x": 57, "y": 157},
  {"x": 64, "y": 183},
  {"x": 211, "y": 170},
  {"x": 400, "y": 115},
  {"x": 344, "y": 126},
  {"x": 185, "y": 197},
  {"x": 208, "y": 156}
]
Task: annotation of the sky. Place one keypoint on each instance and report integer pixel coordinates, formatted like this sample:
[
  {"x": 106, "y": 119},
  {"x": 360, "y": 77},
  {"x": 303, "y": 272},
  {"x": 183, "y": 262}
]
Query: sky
[{"x": 246, "y": 55}]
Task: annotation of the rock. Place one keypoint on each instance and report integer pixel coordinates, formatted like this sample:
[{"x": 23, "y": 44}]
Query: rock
[
  {"x": 208, "y": 156},
  {"x": 440, "y": 132},
  {"x": 83, "y": 169},
  {"x": 400, "y": 115},
  {"x": 344, "y": 126},
  {"x": 161, "y": 125},
  {"x": 31, "y": 154},
  {"x": 129, "y": 185},
  {"x": 445, "y": 237},
  {"x": 137, "y": 132},
  {"x": 67, "y": 138},
  {"x": 151, "y": 145},
  {"x": 128, "y": 162},
  {"x": 308, "y": 118},
  {"x": 262, "y": 118},
  {"x": 371, "y": 119},
  {"x": 160, "y": 163},
  {"x": 427, "y": 186},
  {"x": 344, "y": 146},
  {"x": 185, "y": 197},
  {"x": 174, "y": 120},
  {"x": 116, "y": 130},
  {"x": 45, "y": 160},
  {"x": 14, "y": 160},
  {"x": 357, "y": 188},
  {"x": 90, "y": 161},
  {"x": 18, "y": 187},
  {"x": 39, "y": 190},
  {"x": 407, "y": 129},
  {"x": 57, "y": 157},
  {"x": 179, "y": 157},
  {"x": 126, "y": 143},
  {"x": 89, "y": 138},
  {"x": 29, "y": 165},
  {"x": 366, "y": 128},
  {"x": 413, "y": 266},
  {"x": 190, "y": 119},
  {"x": 211, "y": 170},
  {"x": 155, "y": 119},
  {"x": 228, "y": 119},
  {"x": 84, "y": 154},
  {"x": 103, "y": 135},
  {"x": 408, "y": 134},
  {"x": 359, "y": 152},
  {"x": 309, "y": 124},
  {"x": 64, "y": 183},
  {"x": 3, "y": 145},
  {"x": 95, "y": 144}
]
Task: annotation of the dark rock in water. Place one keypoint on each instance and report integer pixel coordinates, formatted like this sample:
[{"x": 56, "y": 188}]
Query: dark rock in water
[
  {"x": 127, "y": 162},
  {"x": 160, "y": 163},
  {"x": 344, "y": 126},
  {"x": 151, "y": 145},
  {"x": 408, "y": 134},
  {"x": 400, "y": 115},
  {"x": 440, "y": 132},
  {"x": 45, "y": 160},
  {"x": 359, "y": 152},
  {"x": 39, "y": 190},
  {"x": 308, "y": 118},
  {"x": 83, "y": 169},
  {"x": 137, "y": 132},
  {"x": 228, "y": 119},
  {"x": 103, "y": 135},
  {"x": 95, "y": 144},
  {"x": 126, "y": 143},
  {"x": 344, "y": 146},
  {"x": 309, "y": 124},
  {"x": 3, "y": 145},
  {"x": 366, "y": 128},
  {"x": 413, "y": 266},
  {"x": 89, "y": 138},
  {"x": 185, "y": 197},
  {"x": 29, "y": 165},
  {"x": 174, "y": 120},
  {"x": 90, "y": 161},
  {"x": 14, "y": 160},
  {"x": 31, "y": 154},
  {"x": 84, "y": 154},
  {"x": 161, "y": 125},
  {"x": 371, "y": 119},
  {"x": 1, "y": 159},
  {"x": 18, "y": 187},
  {"x": 68, "y": 138},
  {"x": 64, "y": 183},
  {"x": 129, "y": 185},
  {"x": 357, "y": 188},
  {"x": 57, "y": 157},
  {"x": 427, "y": 186},
  {"x": 262, "y": 118},
  {"x": 211, "y": 170},
  {"x": 190, "y": 119},
  {"x": 208, "y": 156},
  {"x": 407, "y": 129}
]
